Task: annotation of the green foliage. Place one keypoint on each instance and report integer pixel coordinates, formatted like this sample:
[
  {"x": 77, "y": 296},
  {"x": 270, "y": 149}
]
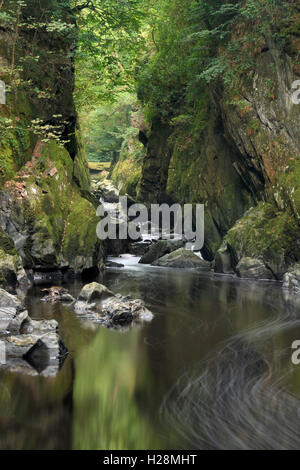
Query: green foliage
[
  {"x": 195, "y": 43},
  {"x": 109, "y": 47},
  {"x": 107, "y": 127}
]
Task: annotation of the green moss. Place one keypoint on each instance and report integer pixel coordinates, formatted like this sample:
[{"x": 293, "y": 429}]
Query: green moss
[
  {"x": 6, "y": 244},
  {"x": 269, "y": 234},
  {"x": 127, "y": 172},
  {"x": 288, "y": 187}
]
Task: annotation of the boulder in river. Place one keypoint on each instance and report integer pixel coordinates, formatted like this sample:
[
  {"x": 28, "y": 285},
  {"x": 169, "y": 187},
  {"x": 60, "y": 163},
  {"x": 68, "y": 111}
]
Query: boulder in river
[
  {"x": 291, "y": 279},
  {"x": 140, "y": 248},
  {"x": 224, "y": 260},
  {"x": 9, "y": 300},
  {"x": 123, "y": 310},
  {"x": 113, "y": 264},
  {"x": 94, "y": 291},
  {"x": 57, "y": 294},
  {"x": 106, "y": 190},
  {"x": 160, "y": 249},
  {"x": 24, "y": 339},
  {"x": 252, "y": 268},
  {"x": 184, "y": 259},
  {"x": 104, "y": 307}
]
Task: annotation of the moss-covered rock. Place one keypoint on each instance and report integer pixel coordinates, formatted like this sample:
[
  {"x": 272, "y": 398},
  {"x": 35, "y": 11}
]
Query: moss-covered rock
[
  {"x": 160, "y": 249},
  {"x": 250, "y": 268},
  {"x": 51, "y": 224},
  {"x": 291, "y": 279},
  {"x": 183, "y": 259},
  {"x": 46, "y": 207},
  {"x": 268, "y": 234},
  {"x": 127, "y": 171}
]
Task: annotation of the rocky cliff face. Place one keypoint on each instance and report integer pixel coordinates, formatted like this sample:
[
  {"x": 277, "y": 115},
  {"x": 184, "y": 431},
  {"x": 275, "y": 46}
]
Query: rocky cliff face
[
  {"x": 248, "y": 158},
  {"x": 44, "y": 178}
]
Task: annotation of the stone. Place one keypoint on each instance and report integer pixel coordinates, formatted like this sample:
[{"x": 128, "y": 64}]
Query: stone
[
  {"x": 252, "y": 268},
  {"x": 113, "y": 264},
  {"x": 183, "y": 259},
  {"x": 8, "y": 269},
  {"x": 223, "y": 261},
  {"x": 139, "y": 248},
  {"x": 16, "y": 322},
  {"x": 291, "y": 279},
  {"x": 82, "y": 307},
  {"x": 159, "y": 249},
  {"x": 116, "y": 310},
  {"x": 57, "y": 294},
  {"x": 105, "y": 189},
  {"x": 123, "y": 310},
  {"x": 7, "y": 315},
  {"x": 94, "y": 291},
  {"x": 9, "y": 300}
]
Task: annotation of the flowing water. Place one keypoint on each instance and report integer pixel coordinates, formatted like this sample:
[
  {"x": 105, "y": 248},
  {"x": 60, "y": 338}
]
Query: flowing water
[{"x": 212, "y": 371}]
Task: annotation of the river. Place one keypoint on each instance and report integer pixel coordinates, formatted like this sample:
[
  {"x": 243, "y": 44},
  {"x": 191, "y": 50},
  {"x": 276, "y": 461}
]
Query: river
[{"x": 213, "y": 370}]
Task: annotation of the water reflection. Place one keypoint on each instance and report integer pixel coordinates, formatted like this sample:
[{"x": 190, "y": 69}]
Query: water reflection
[{"x": 229, "y": 340}]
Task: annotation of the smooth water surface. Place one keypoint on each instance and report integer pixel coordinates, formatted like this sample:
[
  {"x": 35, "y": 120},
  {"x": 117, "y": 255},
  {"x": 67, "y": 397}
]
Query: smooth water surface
[{"x": 213, "y": 370}]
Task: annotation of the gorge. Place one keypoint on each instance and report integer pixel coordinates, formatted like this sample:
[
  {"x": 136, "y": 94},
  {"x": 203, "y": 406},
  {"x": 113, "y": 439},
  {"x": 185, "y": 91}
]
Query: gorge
[{"x": 143, "y": 344}]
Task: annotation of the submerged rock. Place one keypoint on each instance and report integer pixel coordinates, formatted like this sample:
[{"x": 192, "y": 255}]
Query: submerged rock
[
  {"x": 159, "y": 249},
  {"x": 291, "y": 279},
  {"x": 57, "y": 294},
  {"x": 184, "y": 259},
  {"x": 251, "y": 268}
]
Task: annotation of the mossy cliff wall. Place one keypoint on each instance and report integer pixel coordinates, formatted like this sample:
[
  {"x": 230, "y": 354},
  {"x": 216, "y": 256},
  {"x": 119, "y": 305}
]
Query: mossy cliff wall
[
  {"x": 247, "y": 154},
  {"x": 44, "y": 175}
]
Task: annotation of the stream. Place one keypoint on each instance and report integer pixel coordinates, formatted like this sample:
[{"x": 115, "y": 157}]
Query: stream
[{"x": 213, "y": 370}]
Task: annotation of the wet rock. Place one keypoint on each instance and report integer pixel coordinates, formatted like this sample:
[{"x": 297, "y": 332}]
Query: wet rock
[
  {"x": 106, "y": 190},
  {"x": 223, "y": 261},
  {"x": 9, "y": 300},
  {"x": 37, "y": 343},
  {"x": 82, "y": 307},
  {"x": 21, "y": 338},
  {"x": 160, "y": 249},
  {"x": 24, "y": 279},
  {"x": 121, "y": 310},
  {"x": 36, "y": 362},
  {"x": 8, "y": 269},
  {"x": 24, "y": 346},
  {"x": 291, "y": 279},
  {"x": 46, "y": 330},
  {"x": 7, "y": 315},
  {"x": 140, "y": 248},
  {"x": 113, "y": 264},
  {"x": 57, "y": 294},
  {"x": 94, "y": 291},
  {"x": 252, "y": 268},
  {"x": 110, "y": 310},
  {"x": 17, "y": 320},
  {"x": 183, "y": 259}
]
